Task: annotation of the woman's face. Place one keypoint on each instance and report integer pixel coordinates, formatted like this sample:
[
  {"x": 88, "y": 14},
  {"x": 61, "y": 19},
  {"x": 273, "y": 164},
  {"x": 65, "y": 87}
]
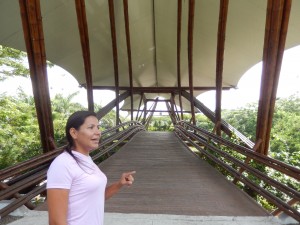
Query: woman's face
[{"x": 87, "y": 137}]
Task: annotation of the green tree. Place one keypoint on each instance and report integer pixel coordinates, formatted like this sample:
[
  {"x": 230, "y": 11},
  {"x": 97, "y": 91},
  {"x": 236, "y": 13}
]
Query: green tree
[
  {"x": 160, "y": 123},
  {"x": 62, "y": 107},
  {"x": 19, "y": 131},
  {"x": 285, "y": 134},
  {"x": 108, "y": 121},
  {"x": 14, "y": 62},
  {"x": 243, "y": 119}
]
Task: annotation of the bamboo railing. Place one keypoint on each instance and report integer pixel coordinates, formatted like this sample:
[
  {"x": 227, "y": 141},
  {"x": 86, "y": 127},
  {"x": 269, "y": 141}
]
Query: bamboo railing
[
  {"x": 222, "y": 153},
  {"x": 23, "y": 182}
]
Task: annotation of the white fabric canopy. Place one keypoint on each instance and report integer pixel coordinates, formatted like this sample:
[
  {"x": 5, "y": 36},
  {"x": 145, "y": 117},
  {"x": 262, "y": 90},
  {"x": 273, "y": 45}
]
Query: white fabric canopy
[{"x": 153, "y": 36}]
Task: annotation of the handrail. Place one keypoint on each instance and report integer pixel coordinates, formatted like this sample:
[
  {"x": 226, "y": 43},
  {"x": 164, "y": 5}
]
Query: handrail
[
  {"x": 29, "y": 177},
  {"x": 123, "y": 138},
  {"x": 28, "y": 164},
  {"x": 226, "y": 127},
  {"x": 199, "y": 137},
  {"x": 275, "y": 164}
]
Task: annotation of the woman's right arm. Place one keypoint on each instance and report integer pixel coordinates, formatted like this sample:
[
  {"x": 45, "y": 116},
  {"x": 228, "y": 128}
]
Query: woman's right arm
[{"x": 57, "y": 200}]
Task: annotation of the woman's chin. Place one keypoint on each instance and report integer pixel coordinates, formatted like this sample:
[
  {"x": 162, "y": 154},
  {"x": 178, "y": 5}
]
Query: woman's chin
[{"x": 94, "y": 147}]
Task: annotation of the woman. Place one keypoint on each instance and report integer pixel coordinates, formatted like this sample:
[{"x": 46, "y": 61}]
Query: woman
[{"x": 76, "y": 187}]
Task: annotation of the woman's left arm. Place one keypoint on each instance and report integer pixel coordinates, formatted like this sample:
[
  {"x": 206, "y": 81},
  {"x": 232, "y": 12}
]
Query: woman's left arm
[{"x": 126, "y": 179}]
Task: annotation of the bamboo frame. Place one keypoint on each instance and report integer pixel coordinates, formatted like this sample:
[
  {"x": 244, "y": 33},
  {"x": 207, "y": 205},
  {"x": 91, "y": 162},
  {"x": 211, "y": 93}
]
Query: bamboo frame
[
  {"x": 85, "y": 46},
  {"x": 34, "y": 40},
  {"x": 219, "y": 61},
  {"x": 190, "y": 55},
  {"x": 115, "y": 54},
  {"x": 275, "y": 35},
  {"x": 179, "y": 15},
  {"x": 127, "y": 30}
]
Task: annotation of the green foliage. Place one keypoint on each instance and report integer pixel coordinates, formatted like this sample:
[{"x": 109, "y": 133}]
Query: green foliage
[
  {"x": 243, "y": 119},
  {"x": 284, "y": 142},
  {"x": 160, "y": 123},
  {"x": 19, "y": 131},
  {"x": 203, "y": 122},
  {"x": 12, "y": 63},
  {"x": 285, "y": 134},
  {"x": 62, "y": 108},
  {"x": 108, "y": 121}
]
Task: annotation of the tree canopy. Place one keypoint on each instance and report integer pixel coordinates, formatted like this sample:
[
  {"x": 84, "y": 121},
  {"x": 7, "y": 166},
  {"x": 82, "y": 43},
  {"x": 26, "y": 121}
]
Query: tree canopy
[
  {"x": 285, "y": 135},
  {"x": 14, "y": 62}
]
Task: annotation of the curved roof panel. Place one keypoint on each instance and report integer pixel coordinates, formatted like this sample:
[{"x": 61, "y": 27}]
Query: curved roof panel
[{"x": 153, "y": 27}]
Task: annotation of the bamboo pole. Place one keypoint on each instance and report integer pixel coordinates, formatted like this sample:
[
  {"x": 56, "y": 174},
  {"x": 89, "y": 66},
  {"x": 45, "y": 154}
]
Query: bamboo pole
[
  {"x": 179, "y": 15},
  {"x": 85, "y": 46},
  {"x": 115, "y": 54},
  {"x": 127, "y": 30},
  {"x": 219, "y": 61},
  {"x": 34, "y": 39},
  {"x": 278, "y": 12},
  {"x": 190, "y": 55}
]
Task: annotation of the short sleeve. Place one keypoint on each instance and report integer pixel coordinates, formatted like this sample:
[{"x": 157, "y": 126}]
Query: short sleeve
[{"x": 60, "y": 174}]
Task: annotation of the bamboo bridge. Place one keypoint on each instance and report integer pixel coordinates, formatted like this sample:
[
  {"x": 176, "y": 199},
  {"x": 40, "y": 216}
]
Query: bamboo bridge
[{"x": 151, "y": 51}]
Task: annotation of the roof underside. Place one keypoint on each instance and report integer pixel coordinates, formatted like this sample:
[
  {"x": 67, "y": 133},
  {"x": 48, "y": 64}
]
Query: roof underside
[{"x": 153, "y": 30}]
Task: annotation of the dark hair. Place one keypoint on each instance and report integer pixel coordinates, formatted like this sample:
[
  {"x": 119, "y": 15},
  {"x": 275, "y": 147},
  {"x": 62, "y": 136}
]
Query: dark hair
[{"x": 75, "y": 121}]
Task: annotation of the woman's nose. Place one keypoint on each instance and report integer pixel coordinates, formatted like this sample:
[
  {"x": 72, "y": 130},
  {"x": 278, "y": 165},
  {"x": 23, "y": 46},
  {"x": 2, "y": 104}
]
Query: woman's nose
[{"x": 98, "y": 132}]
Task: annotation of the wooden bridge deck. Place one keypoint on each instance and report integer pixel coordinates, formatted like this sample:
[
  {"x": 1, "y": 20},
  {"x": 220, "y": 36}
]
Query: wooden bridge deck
[{"x": 172, "y": 180}]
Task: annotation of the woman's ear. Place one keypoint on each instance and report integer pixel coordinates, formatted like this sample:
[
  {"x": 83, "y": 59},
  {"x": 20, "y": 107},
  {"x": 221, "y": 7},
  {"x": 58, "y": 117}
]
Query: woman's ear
[{"x": 73, "y": 133}]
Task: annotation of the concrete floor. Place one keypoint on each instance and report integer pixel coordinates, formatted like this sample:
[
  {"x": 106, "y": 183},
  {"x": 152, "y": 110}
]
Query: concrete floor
[{"x": 41, "y": 218}]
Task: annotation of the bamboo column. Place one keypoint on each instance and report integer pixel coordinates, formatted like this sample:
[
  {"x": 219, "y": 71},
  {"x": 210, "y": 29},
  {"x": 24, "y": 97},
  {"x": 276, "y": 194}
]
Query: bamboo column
[
  {"x": 219, "y": 61},
  {"x": 126, "y": 17},
  {"x": 34, "y": 40},
  {"x": 190, "y": 55},
  {"x": 115, "y": 54},
  {"x": 85, "y": 46},
  {"x": 179, "y": 15},
  {"x": 278, "y": 12}
]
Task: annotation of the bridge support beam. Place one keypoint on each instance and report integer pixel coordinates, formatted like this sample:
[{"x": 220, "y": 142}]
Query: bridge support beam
[
  {"x": 106, "y": 109},
  {"x": 34, "y": 40},
  {"x": 278, "y": 12},
  {"x": 85, "y": 46},
  {"x": 219, "y": 61}
]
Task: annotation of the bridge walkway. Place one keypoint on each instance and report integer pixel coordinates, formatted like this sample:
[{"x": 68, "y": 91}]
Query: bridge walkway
[
  {"x": 172, "y": 186},
  {"x": 172, "y": 180}
]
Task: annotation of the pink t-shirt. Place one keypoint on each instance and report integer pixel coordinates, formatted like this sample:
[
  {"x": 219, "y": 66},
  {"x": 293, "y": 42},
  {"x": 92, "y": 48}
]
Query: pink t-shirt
[{"x": 86, "y": 183}]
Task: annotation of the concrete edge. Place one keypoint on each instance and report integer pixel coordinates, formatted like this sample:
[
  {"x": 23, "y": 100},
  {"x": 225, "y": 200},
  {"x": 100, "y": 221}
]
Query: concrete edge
[{"x": 41, "y": 218}]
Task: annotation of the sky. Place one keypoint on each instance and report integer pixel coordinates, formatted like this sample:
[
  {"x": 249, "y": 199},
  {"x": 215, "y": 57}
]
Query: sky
[
  {"x": 248, "y": 88},
  {"x": 247, "y": 91}
]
